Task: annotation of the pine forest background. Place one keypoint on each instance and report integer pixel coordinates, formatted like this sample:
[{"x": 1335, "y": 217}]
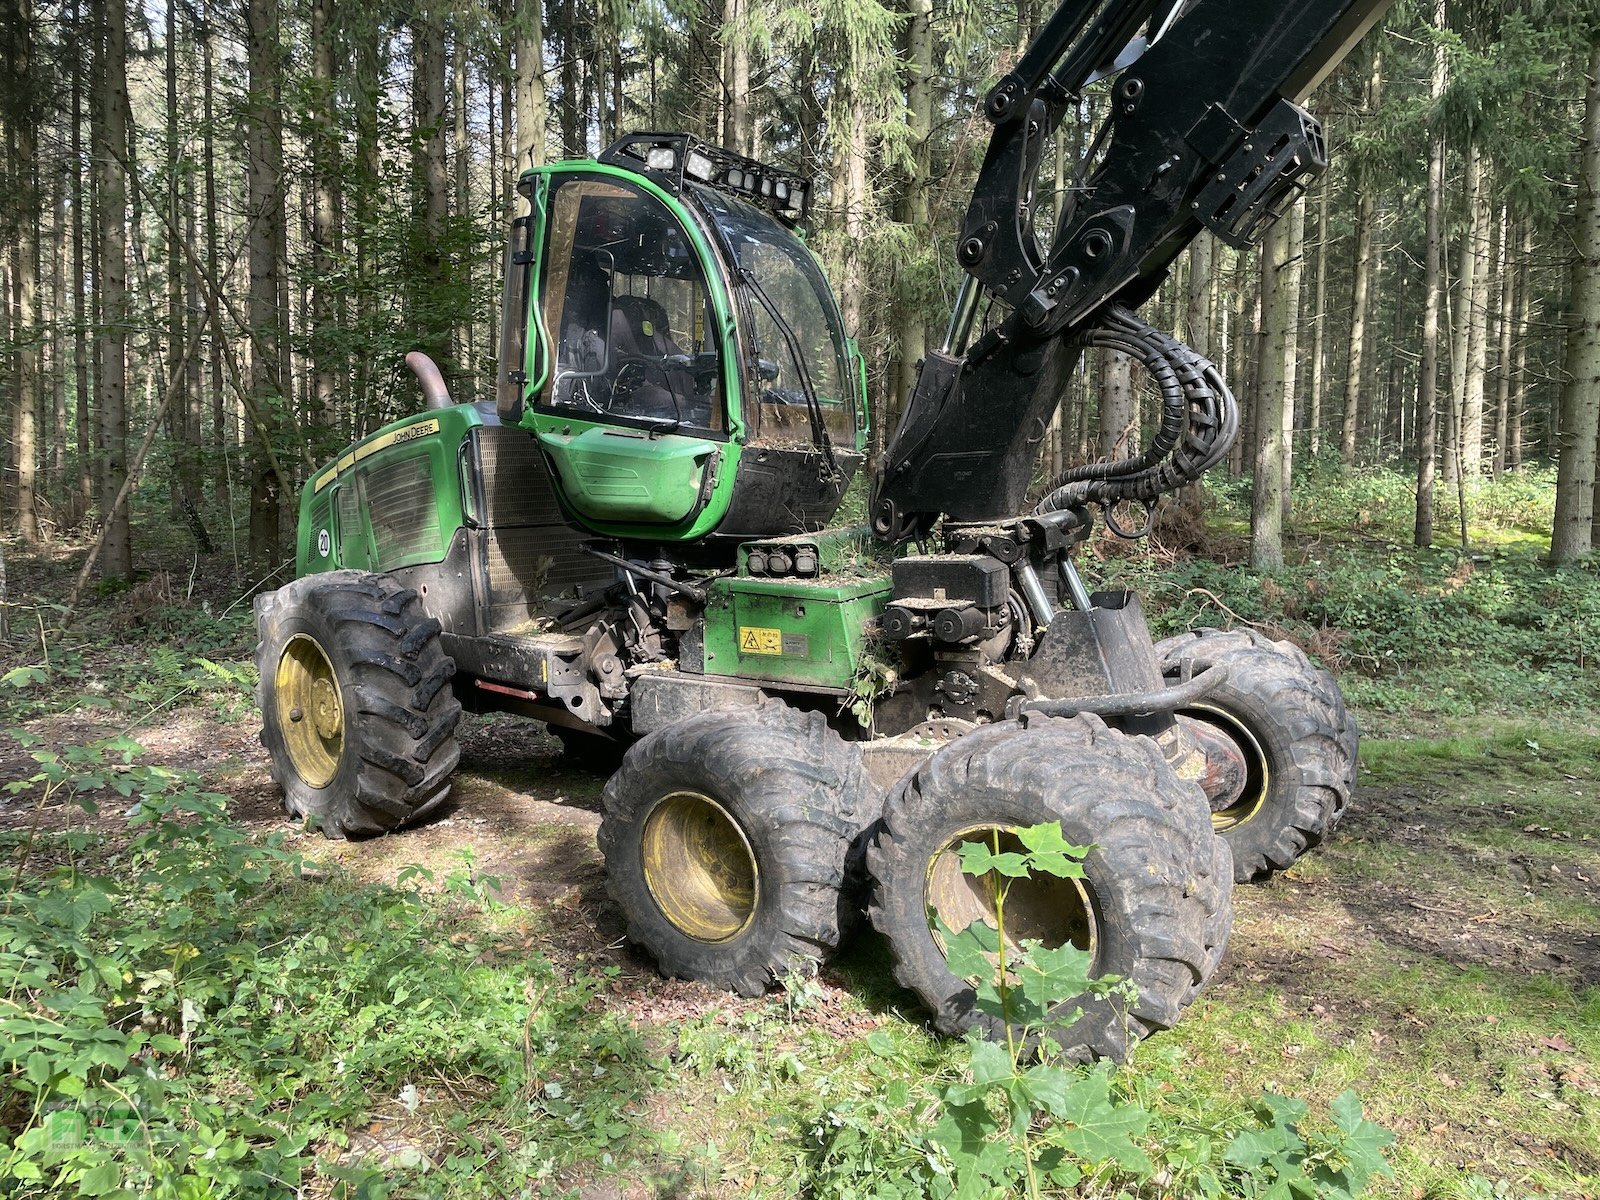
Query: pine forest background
[{"x": 222, "y": 225}]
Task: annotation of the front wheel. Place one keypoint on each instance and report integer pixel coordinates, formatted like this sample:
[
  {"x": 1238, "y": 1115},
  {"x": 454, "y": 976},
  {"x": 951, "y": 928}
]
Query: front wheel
[
  {"x": 1147, "y": 908},
  {"x": 357, "y": 713},
  {"x": 1298, "y": 742},
  {"x": 727, "y": 838}
]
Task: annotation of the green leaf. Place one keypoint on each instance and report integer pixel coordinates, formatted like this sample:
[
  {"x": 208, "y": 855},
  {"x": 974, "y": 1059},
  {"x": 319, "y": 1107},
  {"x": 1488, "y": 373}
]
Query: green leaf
[
  {"x": 963, "y": 1130},
  {"x": 881, "y": 1044},
  {"x": 1051, "y": 853},
  {"x": 978, "y": 859},
  {"x": 1048, "y": 1087},
  {"x": 1100, "y": 1130},
  {"x": 100, "y": 1179},
  {"x": 990, "y": 1062},
  {"x": 1364, "y": 1141},
  {"x": 967, "y": 952}
]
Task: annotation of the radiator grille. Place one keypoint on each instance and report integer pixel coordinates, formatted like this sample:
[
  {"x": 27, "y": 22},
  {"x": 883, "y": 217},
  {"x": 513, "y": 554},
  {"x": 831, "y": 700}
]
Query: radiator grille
[
  {"x": 402, "y": 508},
  {"x": 529, "y": 550}
]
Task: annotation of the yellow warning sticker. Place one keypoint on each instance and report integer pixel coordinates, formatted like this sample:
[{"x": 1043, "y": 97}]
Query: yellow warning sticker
[{"x": 755, "y": 640}]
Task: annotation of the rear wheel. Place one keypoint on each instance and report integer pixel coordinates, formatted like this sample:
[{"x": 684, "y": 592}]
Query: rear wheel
[
  {"x": 1298, "y": 741},
  {"x": 726, "y": 838},
  {"x": 1147, "y": 909},
  {"x": 357, "y": 713}
]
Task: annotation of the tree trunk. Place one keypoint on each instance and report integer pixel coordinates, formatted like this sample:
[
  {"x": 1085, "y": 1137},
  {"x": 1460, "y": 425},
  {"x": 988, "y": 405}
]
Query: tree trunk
[
  {"x": 1117, "y": 433},
  {"x": 1360, "y": 283},
  {"x": 1289, "y": 278},
  {"x": 461, "y": 159},
  {"x": 80, "y": 272},
  {"x": 110, "y": 148},
  {"x": 1428, "y": 376},
  {"x": 22, "y": 118},
  {"x": 736, "y": 124},
  {"x": 1502, "y": 374},
  {"x": 219, "y": 422},
  {"x": 264, "y": 172},
  {"x": 431, "y": 181},
  {"x": 1319, "y": 320},
  {"x": 1519, "y": 372},
  {"x": 914, "y": 208},
  {"x": 1572, "y": 537},
  {"x": 325, "y": 170},
  {"x": 1474, "y": 295},
  {"x": 1271, "y": 399},
  {"x": 530, "y": 89}
]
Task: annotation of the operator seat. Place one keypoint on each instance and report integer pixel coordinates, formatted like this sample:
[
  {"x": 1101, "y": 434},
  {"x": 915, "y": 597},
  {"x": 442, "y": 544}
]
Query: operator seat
[{"x": 640, "y": 330}]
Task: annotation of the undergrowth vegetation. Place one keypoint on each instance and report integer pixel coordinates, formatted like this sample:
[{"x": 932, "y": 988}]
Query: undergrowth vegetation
[
  {"x": 189, "y": 1008},
  {"x": 1442, "y": 631}
]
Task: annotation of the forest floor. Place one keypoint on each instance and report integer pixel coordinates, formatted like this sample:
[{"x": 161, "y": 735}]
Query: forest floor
[{"x": 1441, "y": 955}]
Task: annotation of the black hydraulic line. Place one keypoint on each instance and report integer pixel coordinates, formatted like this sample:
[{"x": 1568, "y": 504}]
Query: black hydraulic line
[
  {"x": 683, "y": 589},
  {"x": 1130, "y": 704},
  {"x": 1199, "y": 422}
]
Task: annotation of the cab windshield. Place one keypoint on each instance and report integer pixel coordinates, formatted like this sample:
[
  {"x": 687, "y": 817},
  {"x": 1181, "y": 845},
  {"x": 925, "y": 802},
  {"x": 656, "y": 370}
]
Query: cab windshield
[{"x": 784, "y": 270}]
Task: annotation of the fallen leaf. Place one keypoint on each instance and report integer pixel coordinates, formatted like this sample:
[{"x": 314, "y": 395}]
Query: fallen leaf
[{"x": 1557, "y": 1043}]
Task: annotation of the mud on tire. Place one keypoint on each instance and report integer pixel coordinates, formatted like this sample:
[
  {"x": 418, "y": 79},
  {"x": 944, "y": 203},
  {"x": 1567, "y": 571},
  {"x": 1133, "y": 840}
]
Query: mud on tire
[
  {"x": 358, "y": 716},
  {"x": 1148, "y": 906},
  {"x": 726, "y": 838},
  {"x": 1299, "y": 742}
]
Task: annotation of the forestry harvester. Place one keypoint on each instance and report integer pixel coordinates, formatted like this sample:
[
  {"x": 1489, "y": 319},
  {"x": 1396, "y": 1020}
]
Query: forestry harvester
[{"x": 632, "y": 543}]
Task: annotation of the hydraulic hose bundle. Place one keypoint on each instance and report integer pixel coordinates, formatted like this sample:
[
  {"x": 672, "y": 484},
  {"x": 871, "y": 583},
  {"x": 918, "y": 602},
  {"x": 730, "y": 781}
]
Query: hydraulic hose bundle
[{"x": 1199, "y": 421}]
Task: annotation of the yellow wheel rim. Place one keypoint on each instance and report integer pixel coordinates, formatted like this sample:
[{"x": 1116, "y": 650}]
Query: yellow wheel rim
[
  {"x": 1041, "y": 908},
  {"x": 1258, "y": 777},
  {"x": 310, "y": 711},
  {"x": 699, "y": 867}
]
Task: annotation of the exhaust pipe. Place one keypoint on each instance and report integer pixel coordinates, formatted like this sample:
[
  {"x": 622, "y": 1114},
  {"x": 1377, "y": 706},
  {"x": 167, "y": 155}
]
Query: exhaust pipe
[{"x": 432, "y": 380}]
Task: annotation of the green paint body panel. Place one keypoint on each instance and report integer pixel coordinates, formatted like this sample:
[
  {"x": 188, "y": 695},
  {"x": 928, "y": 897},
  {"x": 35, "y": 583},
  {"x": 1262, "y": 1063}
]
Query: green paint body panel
[
  {"x": 794, "y": 631},
  {"x": 627, "y": 479},
  {"x": 394, "y": 499}
]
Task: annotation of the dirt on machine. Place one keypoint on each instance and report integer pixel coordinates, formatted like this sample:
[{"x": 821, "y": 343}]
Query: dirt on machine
[{"x": 632, "y": 543}]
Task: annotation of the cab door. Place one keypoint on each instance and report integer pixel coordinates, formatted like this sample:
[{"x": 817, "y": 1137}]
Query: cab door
[{"x": 633, "y": 407}]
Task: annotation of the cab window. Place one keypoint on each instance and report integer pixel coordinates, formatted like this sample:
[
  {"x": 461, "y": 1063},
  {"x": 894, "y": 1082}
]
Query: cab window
[{"x": 626, "y": 305}]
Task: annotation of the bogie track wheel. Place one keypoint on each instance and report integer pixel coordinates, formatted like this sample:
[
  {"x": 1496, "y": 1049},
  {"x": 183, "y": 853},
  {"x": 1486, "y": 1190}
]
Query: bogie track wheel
[
  {"x": 727, "y": 838},
  {"x": 357, "y": 713},
  {"x": 1298, "y": 741},
  {"x": 1146, "y": 909}
]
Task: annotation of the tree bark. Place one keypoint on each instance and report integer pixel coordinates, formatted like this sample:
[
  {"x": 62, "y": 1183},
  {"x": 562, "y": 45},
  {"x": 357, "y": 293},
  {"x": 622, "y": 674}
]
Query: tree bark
[
  {"x": 461, "y": 160},
  {"x": 110, "y": 142},
  {"x": 531, "y": 109},
  {"x": 1428, "y": 380},
  {"x": 80, "y": 317},
  {"x": 431, "y": 182},
  {"x": 1474, "y": 295},
  {"x": 1271, "y": 399},
  {"x": 264, "y": 152},
  {"x": 1360, "y": 285},
  {"x": 1117, "y": 433},
  {"x": 1290, "y": 275},
  {"x": 1319, "y": 320},
  {"x": 736, "y": 122},
  {"x": 1507, "y": 313},
  {"x": 23, "y": 118},
  {"x": 1572, "y": 536},
  {"x": 325, "y": 170},
  {"x": 914, "y": 209},
  {"x": 1519, "y": 371}
]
